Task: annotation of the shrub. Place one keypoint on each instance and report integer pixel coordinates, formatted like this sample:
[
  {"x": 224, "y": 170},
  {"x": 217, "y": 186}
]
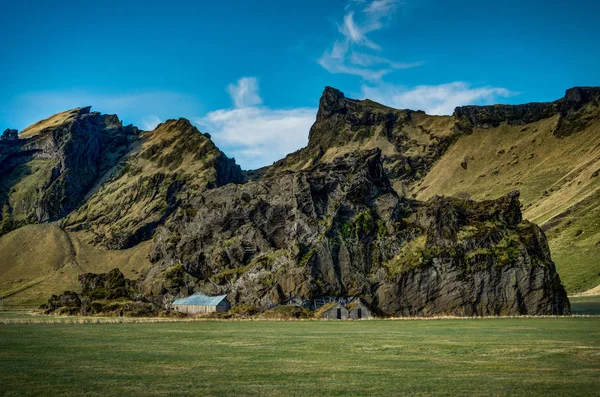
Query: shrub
[{"x": 287, "y": 312}]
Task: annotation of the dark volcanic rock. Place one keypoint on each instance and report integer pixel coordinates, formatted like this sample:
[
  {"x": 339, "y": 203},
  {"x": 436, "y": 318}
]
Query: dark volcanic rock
[
  {"x": 492, "y": 116},
  {"x": 105, "y": 293},
  {"x": 66, "y": 303},
  {"x": 62, "y": 162},
  {"x": 579, "y": 107},
  {"x": 411, "y": 144},
  {"x": 339, "y": 229},
  {"x": 9, "y": 135},
  {"x": 171, "y": 164},
  {"x": 111, "y": 285},
  {"x": 574, "y": 114}
]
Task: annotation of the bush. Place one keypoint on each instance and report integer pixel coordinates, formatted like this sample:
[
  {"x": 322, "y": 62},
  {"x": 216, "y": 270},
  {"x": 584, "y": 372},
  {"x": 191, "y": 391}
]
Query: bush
[
  {"x": 287, "y": 312},
  {"x": 244, "y": 310}
]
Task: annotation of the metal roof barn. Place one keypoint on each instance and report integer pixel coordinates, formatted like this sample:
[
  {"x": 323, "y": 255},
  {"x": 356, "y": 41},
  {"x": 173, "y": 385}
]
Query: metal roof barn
[{"x": 200, "y": 303}]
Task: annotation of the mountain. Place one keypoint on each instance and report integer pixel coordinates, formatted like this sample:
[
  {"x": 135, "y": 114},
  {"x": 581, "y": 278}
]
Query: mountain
[
  {"x": 380, "y": 204},
  {"x": 82, "y": 194},
  {"x": 548, "y": 151},
  {"x": 340, "y": 229}
]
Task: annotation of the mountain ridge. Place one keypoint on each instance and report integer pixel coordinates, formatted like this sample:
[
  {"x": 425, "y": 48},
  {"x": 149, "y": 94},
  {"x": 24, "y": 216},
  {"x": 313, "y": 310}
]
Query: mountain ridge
[{"x": 412, "y": 146}]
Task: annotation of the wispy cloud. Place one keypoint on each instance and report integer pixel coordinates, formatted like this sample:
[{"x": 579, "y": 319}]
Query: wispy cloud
[
  {"x": 434, "y": 99},
  {"x": 149, "y": 123},
  {"x": 245, "y": 92},
  {"x": 257, "y": 135},
  {"x": 350, "y": 55}
]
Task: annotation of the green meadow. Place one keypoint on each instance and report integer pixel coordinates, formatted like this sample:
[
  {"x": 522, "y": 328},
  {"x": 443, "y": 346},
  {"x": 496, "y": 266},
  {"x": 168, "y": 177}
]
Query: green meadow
[{"x": 491, "y": 356}]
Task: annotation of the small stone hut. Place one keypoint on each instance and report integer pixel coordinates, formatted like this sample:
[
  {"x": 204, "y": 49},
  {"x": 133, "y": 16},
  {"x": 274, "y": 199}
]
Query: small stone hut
[
  {"x": 200, "y": 303},
  {"x": 332, "y": 311},
  {"x": 358, "y": 311}
]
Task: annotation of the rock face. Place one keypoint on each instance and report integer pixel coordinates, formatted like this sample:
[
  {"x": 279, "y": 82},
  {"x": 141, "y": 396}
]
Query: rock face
[
  {"x": 46, "y": 175},
  {"x": 100, "y": 177},
  {"x": 574, "y": 114},
  {"x": 171, "y": 164},
  {"x": 339, "y": 229},
  {"x": 492, "y": 116},
  {"x": 9, "y": 135},
  {"x": 106, "y": 293},
  {"x": 334, "y": 219},
  {"x": 410, "y": 140}
]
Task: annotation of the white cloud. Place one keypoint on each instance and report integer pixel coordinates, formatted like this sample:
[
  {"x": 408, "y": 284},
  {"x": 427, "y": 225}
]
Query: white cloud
[
  {"x": 356, "y": 34},
  {"x": 258, "y": 136},
  {"x": 149, "y": 123},
  {"x": 345, "y": 56},
  {"x": 362, "y": 59},
  {"x": 381, "y": 8},
  {"x": 245, "y": 92},
  {"x": 434, "y": 99}
]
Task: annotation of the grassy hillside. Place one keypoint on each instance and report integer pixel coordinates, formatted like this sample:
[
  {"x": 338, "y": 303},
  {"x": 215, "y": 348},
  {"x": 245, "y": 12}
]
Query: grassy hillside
[
  {"x": 52, "y": 121},
  {"x": 165, "y": 166},
  {"x": 558, "y": 179},
  {"x": 37, "y": 261},
  {"x": 552, "y": 356}
]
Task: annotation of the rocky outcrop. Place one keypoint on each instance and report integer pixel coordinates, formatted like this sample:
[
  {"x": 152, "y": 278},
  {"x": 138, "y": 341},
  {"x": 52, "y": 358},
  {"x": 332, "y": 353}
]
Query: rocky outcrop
[
  {"x": 579, "y": 108},
  {"x": 9, "y": 135},
  {"x": 494, "y": 115},
  {"x": 47, "y": 174},
  {"x": 574, "y": 115},
  {"x": 339, "y": 229},
  {"x": 330, "y": 220},
  {"x": 104, "y": 178},
  {"x": 106, "y": 293},
  {"x": 171, "y": 164},
  {"x": 410, "y": 143}
]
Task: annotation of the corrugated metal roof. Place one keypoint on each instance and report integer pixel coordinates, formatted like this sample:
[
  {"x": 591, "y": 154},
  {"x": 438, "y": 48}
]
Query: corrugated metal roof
[{"x": 200, "y": 299}]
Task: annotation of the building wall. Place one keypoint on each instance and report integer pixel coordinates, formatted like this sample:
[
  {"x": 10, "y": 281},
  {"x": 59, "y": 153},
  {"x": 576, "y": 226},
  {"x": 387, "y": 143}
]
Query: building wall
[
  {"x": 223, "y": 306},
  {"x": 198, "y": 309},
  {"x": 331, "y": 314},
  {"x": 365, "y": 313}
]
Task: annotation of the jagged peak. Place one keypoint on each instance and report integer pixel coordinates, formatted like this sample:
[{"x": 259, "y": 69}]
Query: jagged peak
[
  {"x": 334, "y": 101},
  {"x": 54, "y": 120},
  {"x": 581, "y": 95},
  {"x": 180, "y": 125}
]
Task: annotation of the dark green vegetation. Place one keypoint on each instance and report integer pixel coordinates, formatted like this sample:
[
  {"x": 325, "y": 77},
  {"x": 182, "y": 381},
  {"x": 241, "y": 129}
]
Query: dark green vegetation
[{"x": 558, "y": 357}]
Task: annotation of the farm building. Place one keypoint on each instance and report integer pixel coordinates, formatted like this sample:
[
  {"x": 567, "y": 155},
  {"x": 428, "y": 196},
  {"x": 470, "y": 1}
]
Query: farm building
[
  {"x": 200, "y": 303},
  {"x": 357, "y": 310},
  {"x": 332, "y": 311}
]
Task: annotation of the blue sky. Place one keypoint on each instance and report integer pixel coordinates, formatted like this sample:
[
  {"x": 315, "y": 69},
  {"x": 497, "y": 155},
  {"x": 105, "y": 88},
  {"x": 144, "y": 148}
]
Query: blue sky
[{"x": 251, "y": 72}]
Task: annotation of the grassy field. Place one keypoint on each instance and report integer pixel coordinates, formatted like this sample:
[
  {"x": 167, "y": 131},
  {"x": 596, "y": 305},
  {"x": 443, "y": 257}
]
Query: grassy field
[{"x": 527, "y": 356}]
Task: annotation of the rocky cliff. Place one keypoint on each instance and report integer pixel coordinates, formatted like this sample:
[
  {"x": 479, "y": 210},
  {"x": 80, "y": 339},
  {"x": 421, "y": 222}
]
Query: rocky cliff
[
  {"x": 572, "y": 109},
  {"x": 165, "y": 168},
  {"x": 364, "y": 210},
  {"x": 339, "y": 229},
  {"x": 410, "y": 141},
  {"x": 45, "y": 174}
]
